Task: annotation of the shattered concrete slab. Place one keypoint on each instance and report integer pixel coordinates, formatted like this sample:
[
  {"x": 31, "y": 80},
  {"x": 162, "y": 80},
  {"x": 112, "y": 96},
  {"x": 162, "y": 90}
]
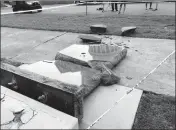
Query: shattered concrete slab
[
  {"x": 79, "y": 80},
  {"x": 73, "y": 74},
  {"x": 66, "y": 72},
  {"x": 93, "y": 55},
  {"x": 13, "y": 110},
  {"x": 20, "y": 112},
  {"x": 35, "y": 85},
  {"x": 140, "y": 51}
]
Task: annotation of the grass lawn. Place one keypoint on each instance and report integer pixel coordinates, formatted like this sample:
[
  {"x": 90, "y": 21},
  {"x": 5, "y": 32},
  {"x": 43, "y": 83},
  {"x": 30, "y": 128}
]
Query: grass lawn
[
  {"x": 148, "y": 26},
  {"x": 155, "y": 112}
]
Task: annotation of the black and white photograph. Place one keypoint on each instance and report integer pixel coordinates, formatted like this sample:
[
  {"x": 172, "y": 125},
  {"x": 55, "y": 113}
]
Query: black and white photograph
[{"x": 90, "y": 64}]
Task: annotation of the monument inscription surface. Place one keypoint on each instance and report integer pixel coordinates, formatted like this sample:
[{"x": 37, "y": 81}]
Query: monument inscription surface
[{"x": 89, "y": 55}]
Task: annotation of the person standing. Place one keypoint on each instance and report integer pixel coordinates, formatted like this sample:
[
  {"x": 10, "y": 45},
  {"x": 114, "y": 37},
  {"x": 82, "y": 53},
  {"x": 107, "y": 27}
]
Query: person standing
[
  {"x": 147, "y": 4},
  {"x": 122, "y": 5},
  {"x": 156, "y": 8},
  {"x": 114, "y": 5}
]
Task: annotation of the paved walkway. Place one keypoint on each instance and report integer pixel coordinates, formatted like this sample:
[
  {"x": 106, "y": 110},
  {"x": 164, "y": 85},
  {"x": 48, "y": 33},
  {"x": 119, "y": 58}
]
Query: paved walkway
[
  {"x": 143, "y": 55},
  {"x": 30, "y": 46}
]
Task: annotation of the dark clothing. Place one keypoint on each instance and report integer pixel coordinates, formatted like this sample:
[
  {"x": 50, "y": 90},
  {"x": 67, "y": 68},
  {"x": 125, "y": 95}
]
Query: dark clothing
[{"x": 114, "y": 5}]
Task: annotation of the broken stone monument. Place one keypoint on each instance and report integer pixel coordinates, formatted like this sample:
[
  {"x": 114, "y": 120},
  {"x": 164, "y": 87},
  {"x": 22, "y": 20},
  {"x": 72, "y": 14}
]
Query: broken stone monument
[
  {"x": 128, "y": 30},
  {"x": 98, "y": 28},
  {"x": 93, "y": 55},
  {"x": 90, "y": 39},
  {"x": 57, "y": 81},
  {"x": 50, "y": 90},
  {"x": 65, "y": 82}
]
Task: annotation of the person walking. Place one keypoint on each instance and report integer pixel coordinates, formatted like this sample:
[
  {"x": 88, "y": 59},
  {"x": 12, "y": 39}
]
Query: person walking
[{"x": 150, "y": 3}]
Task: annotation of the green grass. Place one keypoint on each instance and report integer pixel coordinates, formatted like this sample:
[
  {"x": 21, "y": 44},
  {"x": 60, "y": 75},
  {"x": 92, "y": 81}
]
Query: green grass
[
  {"x": 147, "y": 26},
  {"x": 155, "y": 112}
]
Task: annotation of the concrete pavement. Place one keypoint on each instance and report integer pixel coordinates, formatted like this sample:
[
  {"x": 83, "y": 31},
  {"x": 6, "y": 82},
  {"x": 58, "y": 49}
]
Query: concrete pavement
[
  {"x": 101, "y": 99},
  {"x": 143, "y": 55}
]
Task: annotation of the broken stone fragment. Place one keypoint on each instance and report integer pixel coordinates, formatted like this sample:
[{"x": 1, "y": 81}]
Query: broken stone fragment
[
  {"x": 104, "y": 52},
  {"x": 90, "y": 39},
  {"x": 27, "y": 115},
  {"x": 128, "y": 30},
  {"x": 94, "y": 55},
  {"x": 98, "y": 65},
  {"x": 98, "y": 28},
  {"x": 108, "y": 77}
]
